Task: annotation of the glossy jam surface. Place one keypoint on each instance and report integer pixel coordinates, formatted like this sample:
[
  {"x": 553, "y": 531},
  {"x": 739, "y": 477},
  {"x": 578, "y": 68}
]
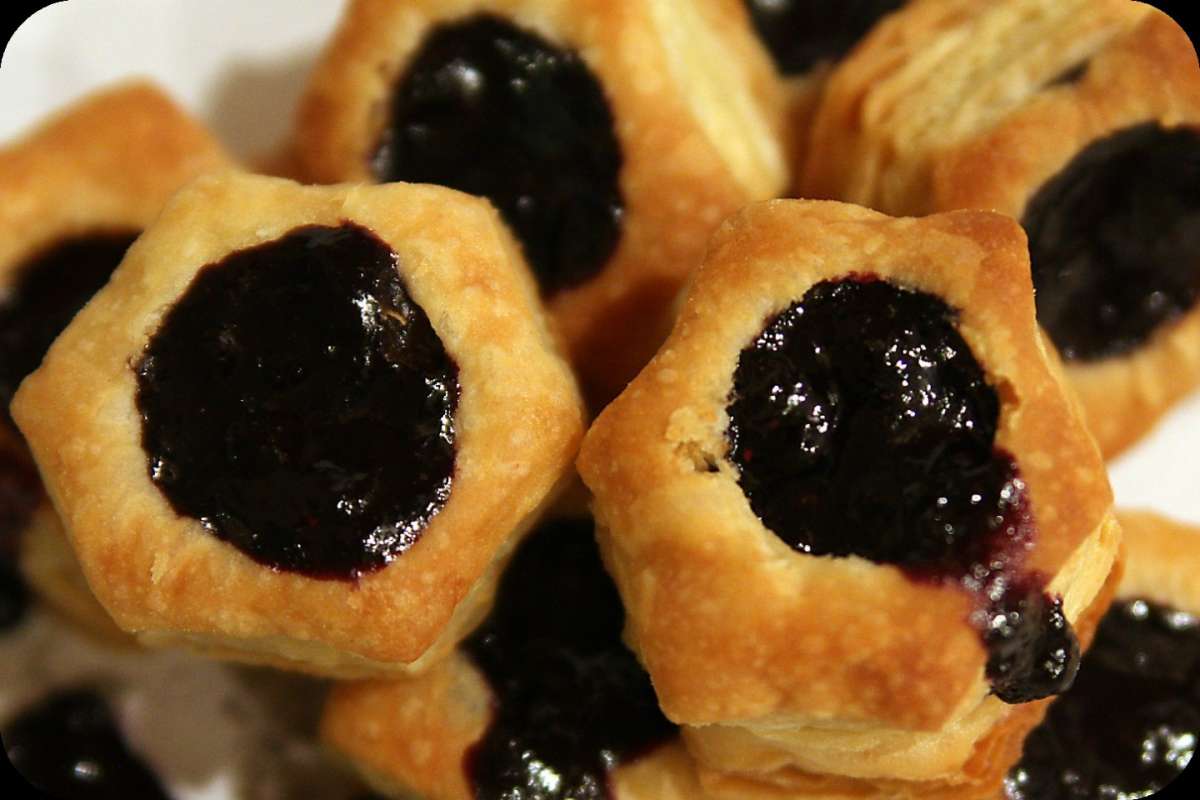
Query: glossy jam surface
[
  {"x": 803, "y": 33},
  {"x": 297, "y": 402},
  {"x": 69, "y": 746},
  {"x": 1130, "y": 724},
  {"x": 490, "y": 109},
  {"x": 1115, "y": 241},
  {"x": 20, "y": 491},
  {"x": 49, "y": 291},
  {"x": 861, "y": 424},
  {"x": 571, "y": 701}
]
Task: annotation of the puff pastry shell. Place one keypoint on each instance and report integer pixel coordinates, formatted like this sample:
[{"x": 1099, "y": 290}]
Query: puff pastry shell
[
  {"x": 165, "y": 578},
  {"x": 794, "y": 653},
  {"x": 698, "y": 113}
]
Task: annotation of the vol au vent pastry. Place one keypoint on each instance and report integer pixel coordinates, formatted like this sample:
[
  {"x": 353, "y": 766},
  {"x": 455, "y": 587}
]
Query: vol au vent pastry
[
  {"x": 853, "y": 514},
  {"x": 1081, "y": 118},
  {"x": 74, "y": 194},
  {"x": 542, "y": 701},
  {"x": 304, "y": 426},
  {"x": 612, "y": 135},
  {"x": 1130, "y": 724}
]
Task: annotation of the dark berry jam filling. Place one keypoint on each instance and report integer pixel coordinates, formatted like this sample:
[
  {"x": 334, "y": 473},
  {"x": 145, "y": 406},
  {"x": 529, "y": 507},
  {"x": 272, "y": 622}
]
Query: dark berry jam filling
[
  {"x": 298, "y": 402},
  {"x": 803, "y": 33},
  {"x": 49, "y": 291},
  {"x": 490, "y": 109},
  {"x": 1130, "y": 724},
  {"x": 20, "y": 492},
  {"x": 1115, "y": 241},
  {"x": 861, "y": 424},
  {"x": 69, "y": 746},
  {"x": 571, "y": 702}
]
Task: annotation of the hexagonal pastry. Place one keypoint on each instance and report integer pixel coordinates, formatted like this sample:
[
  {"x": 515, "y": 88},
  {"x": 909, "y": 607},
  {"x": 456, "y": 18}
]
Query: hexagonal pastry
[
  {"x": 305, "y": 426},
  {"x": 613, "y": 137},
  {"x": 542, "y": 696},
  {"x": 1081, "y": 119},
  {"x": 76, "y": 192},
  {"x": 806, "y": 39},
  {"x": 852, "y": 511},
  {"x": 1129, "y": 725}
]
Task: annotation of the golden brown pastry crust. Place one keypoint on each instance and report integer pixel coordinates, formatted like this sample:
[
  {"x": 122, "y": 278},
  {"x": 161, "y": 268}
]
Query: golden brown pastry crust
[
  {"x": 1003, "y": 132},
  {"x": 698, "y": 113},
  {"x": 684, "y": 545},
  {"x": 107, "y": 162},
  {"x": 163, "y": 577},
  {"x": 413, "y": 737},
  {"x": 50, "y": 567},
  {"x": 977, "y": 778}
]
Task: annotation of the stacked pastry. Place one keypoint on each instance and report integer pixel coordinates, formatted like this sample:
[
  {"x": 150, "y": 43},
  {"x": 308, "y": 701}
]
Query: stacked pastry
[{"x": 850, "y": 531}]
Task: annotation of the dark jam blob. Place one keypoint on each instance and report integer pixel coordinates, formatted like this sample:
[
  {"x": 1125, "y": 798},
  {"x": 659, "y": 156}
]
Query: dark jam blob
[
  {"x": 803, "y": 33},
  {"x": 861, "y": 424},
  {"x": 1115, "y": 241},
  {"x": 298, "y": 403},
  {"x": 50, "y": 289},
  {"x": 1129, "y": 725},
  {"x": 20, "y": 492},
  {"x": 69, "y": 746},
  {"x": 571, "y": 701},
  {"x": 497, "y": 111}
]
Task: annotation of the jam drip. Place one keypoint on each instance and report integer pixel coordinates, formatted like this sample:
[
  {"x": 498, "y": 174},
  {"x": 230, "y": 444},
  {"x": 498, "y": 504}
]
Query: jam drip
[
  {"x": 298, "y": 403},
  {"x": 49, "y": 291},
  {"x": 1130, "y": 724},
  {"x": 571, "y": 701},
  {"x": 1115, "y": 241},
  {"x": 861, "y": 424},
  {"x": 497, "y": 111},
  {"x": 69, "y": 746},
  {"x": 803, "y": 33}
]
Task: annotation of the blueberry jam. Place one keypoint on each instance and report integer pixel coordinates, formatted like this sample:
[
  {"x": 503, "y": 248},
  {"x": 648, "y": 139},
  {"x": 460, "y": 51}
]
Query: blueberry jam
[
  {"x": 298, "y": 402},
  {"x": 20, "y": 491},
  {"x": 1115, "y": 241},
  {"x": 1130, "y": 724},
  {"x": 571, "y": 701},
  {"x": 50, "y": 289},
  {"x": 861, "y": 424},
  {"x": 69, "y": 746},
  {"x": 497, "y": 111},
  {"x": 803, "y": 33}
]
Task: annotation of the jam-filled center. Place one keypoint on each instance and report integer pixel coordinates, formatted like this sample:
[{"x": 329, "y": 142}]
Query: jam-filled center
[
  {"x": 1115, "y": 241},
  {"x": 49, "y": 290},
  {"x": 69, "y": 745},
  {"x": 861, "y": 424},
  {"x": 803, "y": 33},
  {"x": 571, "y": 701},
  {"x": 1130, "y": 724},
  {"x": 297, "y": 401},
  {"x": 497, "y": 111}
]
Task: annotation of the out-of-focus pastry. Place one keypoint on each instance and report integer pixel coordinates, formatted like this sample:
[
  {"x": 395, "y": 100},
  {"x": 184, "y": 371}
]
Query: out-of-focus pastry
[
  {"x": 852, "y": 510},
  {"x": 806, "y": 38},
  {"x": 1081, "y": 118},
  {"x": 304, "y": 426},
  {"x": 612, "y": 135},
  {"x": 74, "y": 194},
  {"x": 1130, "y": 724},
  {"x": 543, "y": 700}
]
